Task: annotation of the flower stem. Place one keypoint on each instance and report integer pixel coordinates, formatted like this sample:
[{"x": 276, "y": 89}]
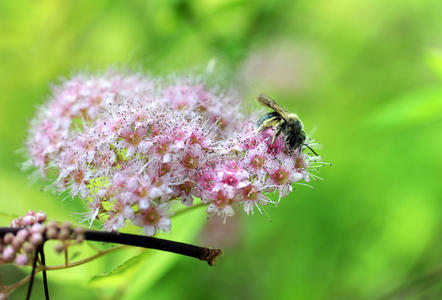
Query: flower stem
[
  {"x": 83, "y": 261},
  {"x": 10, "y": 288},
  {"x": 43, "y": 263},
  {"x": 32, "y": 276}
]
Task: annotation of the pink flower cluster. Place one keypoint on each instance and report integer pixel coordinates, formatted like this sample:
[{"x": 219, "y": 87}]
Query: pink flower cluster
[{"x": 131, "y": 145}]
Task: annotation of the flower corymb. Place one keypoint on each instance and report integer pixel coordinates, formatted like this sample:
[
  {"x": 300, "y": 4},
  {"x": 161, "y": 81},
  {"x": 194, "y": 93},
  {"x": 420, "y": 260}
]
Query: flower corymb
[{"x": 130, "y": 144}]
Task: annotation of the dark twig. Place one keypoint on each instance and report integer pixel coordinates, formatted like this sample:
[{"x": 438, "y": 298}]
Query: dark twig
[
  {"x": 31, "y": 281},
  {"x": 45, "y": 279},
  {"x": 201, "y": 253}
]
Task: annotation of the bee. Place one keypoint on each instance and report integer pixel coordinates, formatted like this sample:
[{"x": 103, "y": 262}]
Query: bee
[{"x": 283, "y": 122}]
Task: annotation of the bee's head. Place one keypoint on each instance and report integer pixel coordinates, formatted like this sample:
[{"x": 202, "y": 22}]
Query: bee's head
[{"x": 293, "y": 118}]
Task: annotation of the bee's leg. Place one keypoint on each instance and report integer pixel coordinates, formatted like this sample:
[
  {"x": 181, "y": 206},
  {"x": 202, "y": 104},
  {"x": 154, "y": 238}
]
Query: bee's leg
[
  {"x": 267, "y": 123},
  {"x": 277, "y": 133}
]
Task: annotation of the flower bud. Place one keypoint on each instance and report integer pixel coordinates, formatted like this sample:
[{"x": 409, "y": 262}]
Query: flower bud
[
  {"x": 79, "y": 239},
  {"x": 23, "y": 234},
  {"x": 8, "y": 253},
  {"x": 21, "y": 259},
  {"x": 30, "y": 213},
  {"x": 41, "y": 217},
  {"x": 79, "y": 230},
  {"x": 67, "y": 225},
  {"x": 52, "y": 224},
  {"x": 79, "y": 234},
  {"x": 51, "y": 233},
  {"x": 17, "y": 242},
  {"x": 28, "y": 247},
  {"x": 36, "y": 239},
  {"x": 28, "y": 220},
  {"x": 7, "y": 239},
  {"x": 37, "y": 228},
  {"x": 64, "y": 234},
  {"x": 59, "y": 247},
  {"x": 17, "y": 222}
]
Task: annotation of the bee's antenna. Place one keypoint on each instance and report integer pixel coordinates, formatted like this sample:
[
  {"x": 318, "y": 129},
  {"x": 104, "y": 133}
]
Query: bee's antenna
[{"x": 311, "y": 149}]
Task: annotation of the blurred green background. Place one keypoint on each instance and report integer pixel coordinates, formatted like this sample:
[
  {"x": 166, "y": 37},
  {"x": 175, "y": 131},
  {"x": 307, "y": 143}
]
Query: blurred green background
[{"x": 366, "y": 75}]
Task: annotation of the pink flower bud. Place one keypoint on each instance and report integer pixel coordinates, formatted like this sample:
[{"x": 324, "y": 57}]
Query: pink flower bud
[
  {"x": 28, "y": 220},
  {"x": 7, "y": 239},
  {"x": 36, "y": 239},
  {"x": 64, "y": 234},
  {"x": 17, "y": 222},
  {"x": 30, "y": 213},
  {"x": 41, "y": 217},
  {"x": 17, "y": 242},
  {"x": 52, "y": 224},
  {"x": 37, "y": 228},
  {"x": 79, "y": 234},
  {"x": 28, "y": 247},
  {"x": 21, "y": 259},
  {"x": 59, "y": 247},
  {"x": 23, "y": 234},
  {"x": 79, "y": 238},
  {"x": 8, "y": 253},
  {"x": 67, "y": 225},
  {"x": 51, "y": 233},
  {"x": 79, "y": 230}
]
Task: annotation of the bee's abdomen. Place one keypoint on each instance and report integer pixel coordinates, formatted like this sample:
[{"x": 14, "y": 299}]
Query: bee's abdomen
[{"x": 267, "y": 116}]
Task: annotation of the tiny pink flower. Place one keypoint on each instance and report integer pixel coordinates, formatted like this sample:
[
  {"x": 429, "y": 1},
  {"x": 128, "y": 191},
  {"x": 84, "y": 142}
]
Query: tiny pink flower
[
  {"x": 153, "y": 219},
  {"x": 222, "y": 196},
  {"x": 253, "y": 198},
  {"x": 185, "y": 192}
]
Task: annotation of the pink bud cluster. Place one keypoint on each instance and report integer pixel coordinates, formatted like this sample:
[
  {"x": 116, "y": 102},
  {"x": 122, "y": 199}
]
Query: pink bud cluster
[
  {"x": 21, "y": 246},
  {"x": 131, "y": 145},
  {"x": 29, "y": 219}
]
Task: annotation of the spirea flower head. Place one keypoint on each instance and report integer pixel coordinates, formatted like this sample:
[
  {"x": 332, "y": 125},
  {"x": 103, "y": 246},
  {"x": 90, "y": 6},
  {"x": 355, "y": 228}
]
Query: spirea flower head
[{"x": 130, "y": 144}]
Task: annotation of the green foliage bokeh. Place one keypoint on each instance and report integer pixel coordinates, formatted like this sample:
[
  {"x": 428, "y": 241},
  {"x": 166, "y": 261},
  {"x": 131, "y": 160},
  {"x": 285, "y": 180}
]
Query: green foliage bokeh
[{"x": 366, "y": 75}]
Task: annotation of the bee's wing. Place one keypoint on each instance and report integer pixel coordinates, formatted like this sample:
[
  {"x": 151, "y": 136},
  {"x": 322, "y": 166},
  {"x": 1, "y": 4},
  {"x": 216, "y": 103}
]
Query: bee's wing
[{"x": 267, "y": 101}]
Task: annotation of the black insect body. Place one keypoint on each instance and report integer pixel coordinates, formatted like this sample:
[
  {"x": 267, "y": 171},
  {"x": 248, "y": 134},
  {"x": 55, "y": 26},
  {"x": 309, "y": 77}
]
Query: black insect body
[{"x": 283, "y": 122}]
